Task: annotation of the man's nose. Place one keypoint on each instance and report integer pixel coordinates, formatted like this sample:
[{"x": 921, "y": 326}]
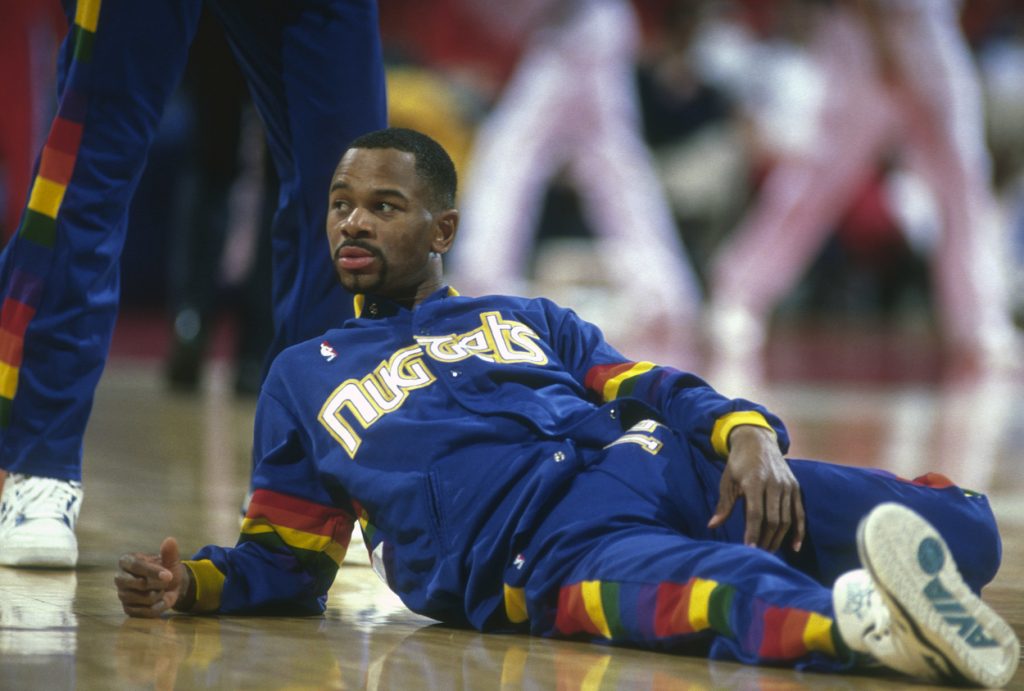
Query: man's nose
[{"x": 358, "y": 223}]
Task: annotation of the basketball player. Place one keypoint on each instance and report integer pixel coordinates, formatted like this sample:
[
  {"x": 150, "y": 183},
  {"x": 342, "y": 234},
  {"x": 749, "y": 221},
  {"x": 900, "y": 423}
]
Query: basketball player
[{"x": 511, "y": 471}]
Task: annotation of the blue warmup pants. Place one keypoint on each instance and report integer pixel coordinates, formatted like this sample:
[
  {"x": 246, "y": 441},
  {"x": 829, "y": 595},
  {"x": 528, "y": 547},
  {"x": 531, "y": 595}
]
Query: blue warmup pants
[
  {"x": 316, "y": 74},
  {"x": 625, "y": 556}
]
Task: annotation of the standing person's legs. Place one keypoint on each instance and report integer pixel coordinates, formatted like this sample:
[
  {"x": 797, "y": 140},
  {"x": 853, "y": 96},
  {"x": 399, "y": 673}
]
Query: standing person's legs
[
  {"x": 59, "y": 274},
  {"x": 516, "y": 152},
  {"x": 804, "y": 194},
  {"x": 945, "y": 133},
  {"x": 623, "y": 199},
  {"x": 316, "y": 71}
]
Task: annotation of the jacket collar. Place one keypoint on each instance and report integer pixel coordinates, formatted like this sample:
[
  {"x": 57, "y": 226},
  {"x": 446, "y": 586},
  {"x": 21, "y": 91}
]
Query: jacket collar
[{"x": 369, "y": 306}]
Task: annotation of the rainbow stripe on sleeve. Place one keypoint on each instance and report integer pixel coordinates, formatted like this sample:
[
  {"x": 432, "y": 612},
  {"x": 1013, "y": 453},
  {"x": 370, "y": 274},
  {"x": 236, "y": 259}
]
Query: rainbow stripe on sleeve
[
  {"x": 623, "y": 611},
  {"x": 316, "y": 534},
  {"x": 39, "y": 221},
  {"x": 620, "y": 380},
  {"x": 614, "y": 381}
]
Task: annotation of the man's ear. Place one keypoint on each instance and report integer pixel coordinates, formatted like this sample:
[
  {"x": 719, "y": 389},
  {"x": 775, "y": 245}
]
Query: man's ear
[{"x": 446, "y": 226}]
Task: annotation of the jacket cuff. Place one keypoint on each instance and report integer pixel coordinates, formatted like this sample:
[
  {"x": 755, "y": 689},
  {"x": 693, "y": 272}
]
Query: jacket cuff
[
  {"x": 725, "y": 424},
  {"x": 209, "y": 584}
]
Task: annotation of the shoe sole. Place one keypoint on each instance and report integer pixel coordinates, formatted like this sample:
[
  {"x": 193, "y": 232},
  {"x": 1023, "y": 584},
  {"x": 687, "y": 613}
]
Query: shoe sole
[
  {"x": 916, "y": 576},
  {"x": 29, "y": 552},
  {"x": 36, "y": 557}
]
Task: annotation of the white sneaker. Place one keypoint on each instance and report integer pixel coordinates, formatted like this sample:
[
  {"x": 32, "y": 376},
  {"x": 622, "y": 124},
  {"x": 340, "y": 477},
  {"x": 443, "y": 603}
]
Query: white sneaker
[
  {"x": 865, "y": 626},
  {"x": 37, "y": 521},
  {"x": 911, "y": 610}
]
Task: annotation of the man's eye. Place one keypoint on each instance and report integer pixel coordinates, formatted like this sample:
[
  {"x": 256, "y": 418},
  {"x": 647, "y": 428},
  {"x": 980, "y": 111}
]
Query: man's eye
[
  {"x": 388, "y": 207},
  {"x": 339, "y": 204}
]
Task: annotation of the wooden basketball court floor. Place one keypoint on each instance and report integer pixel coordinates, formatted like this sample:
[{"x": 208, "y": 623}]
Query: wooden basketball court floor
[{"x": 161, "y": 464}]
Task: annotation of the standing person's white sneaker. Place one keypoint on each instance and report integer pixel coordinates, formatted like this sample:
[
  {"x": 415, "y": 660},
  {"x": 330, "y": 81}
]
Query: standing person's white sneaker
[
  {"x": 912, "y": 612},
  {"x": 37, "y": 521}
]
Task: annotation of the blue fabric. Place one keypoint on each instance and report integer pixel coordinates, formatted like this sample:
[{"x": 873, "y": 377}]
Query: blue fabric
[{"x": 316, "y": 72}]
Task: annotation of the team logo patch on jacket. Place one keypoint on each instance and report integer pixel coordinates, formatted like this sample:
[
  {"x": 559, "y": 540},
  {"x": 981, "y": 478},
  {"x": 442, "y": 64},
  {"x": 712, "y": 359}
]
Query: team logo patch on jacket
[{"x": 327, "y": 351}]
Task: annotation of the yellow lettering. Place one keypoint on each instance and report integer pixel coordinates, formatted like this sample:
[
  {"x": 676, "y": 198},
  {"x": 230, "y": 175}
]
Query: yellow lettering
[
  {"x": 380, "y": 392},
  {"x": 358, "y": 403}
]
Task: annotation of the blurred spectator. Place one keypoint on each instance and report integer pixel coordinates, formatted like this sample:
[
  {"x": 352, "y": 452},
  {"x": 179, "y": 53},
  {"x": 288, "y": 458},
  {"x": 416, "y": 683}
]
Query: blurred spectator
[
  {"x": 1000, "y": 47},
  {"x": 571, "y": 108},
  {"x": 898, "y": 76},
  {"x": 692, "y": 126},
  {"x": 230, "y": 190},
  {"x": 430, "y": 101},
  {"x": 452, "y": 39}
]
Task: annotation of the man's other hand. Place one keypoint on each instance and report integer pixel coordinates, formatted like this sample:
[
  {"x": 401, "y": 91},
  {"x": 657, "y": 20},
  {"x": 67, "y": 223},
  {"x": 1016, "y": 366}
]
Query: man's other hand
[
  {"x": 150, "y": 584},
  {"x": 756, "y": 471}
]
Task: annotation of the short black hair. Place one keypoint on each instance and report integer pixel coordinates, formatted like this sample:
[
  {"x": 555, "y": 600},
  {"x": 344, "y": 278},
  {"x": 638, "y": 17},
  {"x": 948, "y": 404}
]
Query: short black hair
[{"x": 433, "y": 163}]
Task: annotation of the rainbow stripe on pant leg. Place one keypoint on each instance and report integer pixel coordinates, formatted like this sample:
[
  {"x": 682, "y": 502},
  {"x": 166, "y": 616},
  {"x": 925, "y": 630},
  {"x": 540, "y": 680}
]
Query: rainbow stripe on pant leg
[
  {"x": 661, "y": 613},
  {"x": 37, "y": 233}
]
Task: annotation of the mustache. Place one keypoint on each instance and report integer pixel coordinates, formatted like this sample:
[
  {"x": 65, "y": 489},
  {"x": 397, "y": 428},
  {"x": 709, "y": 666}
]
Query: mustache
[{"x": 361, "y": 245}]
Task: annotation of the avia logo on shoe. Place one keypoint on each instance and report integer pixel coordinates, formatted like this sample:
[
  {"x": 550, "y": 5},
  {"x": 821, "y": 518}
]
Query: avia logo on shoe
[
  {"x": 931, "y": 556},
  {"x": 955, "y": 615}
]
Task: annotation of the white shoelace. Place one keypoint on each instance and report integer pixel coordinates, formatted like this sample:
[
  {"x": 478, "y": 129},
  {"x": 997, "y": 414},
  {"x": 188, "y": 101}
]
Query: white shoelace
[
  {"x": 40, "y": 497},
  {"x": 890, "y": 647}
]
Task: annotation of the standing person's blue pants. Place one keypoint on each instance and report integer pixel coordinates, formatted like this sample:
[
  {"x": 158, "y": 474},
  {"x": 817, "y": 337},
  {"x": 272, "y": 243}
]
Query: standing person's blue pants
[
  {"x": 316, "y": 74},
  {"x": 625, "y": 556}
]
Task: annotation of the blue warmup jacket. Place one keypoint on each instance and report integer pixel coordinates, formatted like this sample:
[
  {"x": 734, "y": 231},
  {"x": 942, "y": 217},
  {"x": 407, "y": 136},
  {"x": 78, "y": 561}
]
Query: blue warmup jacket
[{"x": 430, "y": 427}]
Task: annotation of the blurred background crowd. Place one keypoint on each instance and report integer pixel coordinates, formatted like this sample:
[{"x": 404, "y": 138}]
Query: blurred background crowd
[{"x": 684, "y": 172}]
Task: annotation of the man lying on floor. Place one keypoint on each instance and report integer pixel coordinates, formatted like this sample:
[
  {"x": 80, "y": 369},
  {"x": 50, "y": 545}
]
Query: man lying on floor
[{"x": 512, "y": 471}]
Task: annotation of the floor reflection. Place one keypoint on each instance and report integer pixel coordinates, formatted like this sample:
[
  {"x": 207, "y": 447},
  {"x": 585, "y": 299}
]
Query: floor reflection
[
  {"x": 38, "y": 629},
  {"x": 37, "y": 614}
]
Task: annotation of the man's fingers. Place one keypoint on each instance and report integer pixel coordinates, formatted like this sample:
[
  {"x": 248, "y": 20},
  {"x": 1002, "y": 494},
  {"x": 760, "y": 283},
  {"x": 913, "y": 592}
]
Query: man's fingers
[
  {"x": 145, "y": 598},
  {"x": 143, "y": 580},
  {"x": 800, "y": 526},
  {"x": 137, "y": 575},
  {"x": 752, "y": 534},
  {"x": 140, "y": 599},
  {"x": 139, "y": 589},
  {"x": 775, "y": 537},
  {"x": 782, "y": 519},
  {"x": 143, "y": 603},
  {"x": 144, "y": 565},
  {"x": 130, "y": 562},
  {"x": 169, "y": 552},
  {"x": 726, "y": 501},
  {"x": 129, "y": 582}
]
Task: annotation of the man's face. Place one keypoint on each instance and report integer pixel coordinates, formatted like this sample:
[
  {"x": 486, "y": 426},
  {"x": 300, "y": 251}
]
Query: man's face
[{"x": 380, "y": 225}]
